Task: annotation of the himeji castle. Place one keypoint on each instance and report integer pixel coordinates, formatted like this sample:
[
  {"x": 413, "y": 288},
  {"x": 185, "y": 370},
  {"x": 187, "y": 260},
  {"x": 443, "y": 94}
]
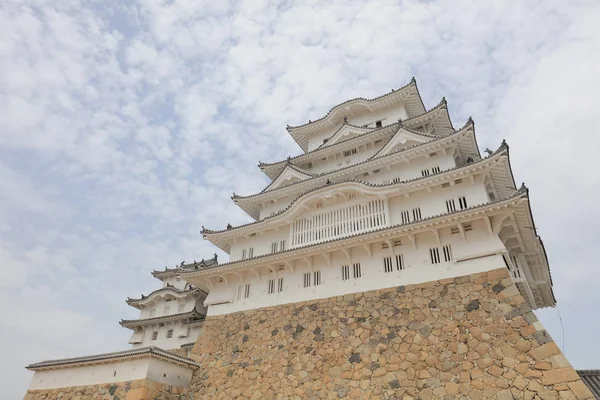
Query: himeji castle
[{"x": 390, "y": 259}]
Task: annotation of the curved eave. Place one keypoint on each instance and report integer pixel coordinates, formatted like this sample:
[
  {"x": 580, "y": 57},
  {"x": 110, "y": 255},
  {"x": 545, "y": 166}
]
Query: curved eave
[
  {"x": 162, "y": 292},
  {"x": 497, "y": 165},
  {"x": 250, "y": 204},
  {"x": 412, "y": 227},
  {"x": 134, "y": 323},
  {"x": 114, "y": 357},
  {"x": 408, "y": 94}
]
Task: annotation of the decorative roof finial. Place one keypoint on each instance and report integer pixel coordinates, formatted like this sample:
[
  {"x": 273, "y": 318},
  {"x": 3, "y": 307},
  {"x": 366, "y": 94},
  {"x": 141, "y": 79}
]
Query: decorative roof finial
[
  {"x": 444, "y": 100},
  {"x": 413, "y": 80},
  {"x": 215, "y": 257},
  {"x": 345, "y": 119},
  {"x": 229, "y": 226},
  {"x": 328, "y": 182},
  {"x": 289, "y": 160},
  {"x": 203, "y": 228},
  {"x": 490, "y": 152},
  {"x": 183, "y": 262},
  {"x": 400, "y": 123},
  {"x": 470, "y": 121},
  {"x": 523, "y": 187},
  {"x": 504, "y": 144}
]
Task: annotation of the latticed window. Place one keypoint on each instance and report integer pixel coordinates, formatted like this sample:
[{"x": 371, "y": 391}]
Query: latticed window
[
  {"x": 435, "y": 170},
  {"x": 154, "y": 335},
  {"x": 247, "y": 291},
  {"x": 450, "y": 205},
  {"x": 434, "y": 253},
  {"x": 271, "y": 288},
  {"x": 416, "y": 214},
  {"x": 399, "y": 262},
  {"x": 447, "y": 253},
  {"x": 462, "y": 202},
  {"x": 306, "y": 279},
  {"x": 169, "y": 333},
  {"x": 345, "y": 272},
  {"x": 317, "y": 278},
  {"x": 387, "y": 264},
  {"x": 357, "y": 270}
]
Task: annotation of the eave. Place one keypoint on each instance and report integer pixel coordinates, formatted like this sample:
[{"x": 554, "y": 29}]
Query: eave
[
  {"x": 408, "y": 94},
  {"x": 170, "y": 272},
  {"x": 188, "y": 315},
  {"x": 496, "y": 166},
  {"x": 250, "y": 204},
  {"x": 114, "y": 357},
  {"x": 178, "y": 293}
]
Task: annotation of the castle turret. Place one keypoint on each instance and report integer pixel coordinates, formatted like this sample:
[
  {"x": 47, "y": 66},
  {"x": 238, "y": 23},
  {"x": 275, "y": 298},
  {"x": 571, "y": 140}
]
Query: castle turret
[{"x": 172, "y": 316}]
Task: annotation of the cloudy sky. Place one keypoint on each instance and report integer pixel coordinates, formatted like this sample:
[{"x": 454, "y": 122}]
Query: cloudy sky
[{"x": 126, "y": 125}]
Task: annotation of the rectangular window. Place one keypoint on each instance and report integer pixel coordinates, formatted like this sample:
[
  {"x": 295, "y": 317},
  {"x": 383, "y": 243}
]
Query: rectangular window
[
  {"x": 247, "y": 291},
  {"x": 351, "y": 196},
  {"x": 376, "y": 171},
  {"x": 468, "y": 227},
  {"x": 271, "y": 286},
  {"x": 425, "y": 172},
  {"x": 405, "y": 217},
  {"x": 309, "y": 165},
  {"x": 445, "y": 184},
  {"x": 416, "y": 214},
  {"x": 435, "y": 170},
  {"x": 447, "y": 253},
  {"x": 306, "y": 279},
  {"x": 378, "y": 124},
  {"x": 345, "y": 272},
  {"x": 274, "y": 247},
  {"x": 154, "y": 335},
  {"x": 169, "y": 333},
  {"x": 454, "y": 231},
  {"x": 348, "y": 153},
  {"x": 152, "y": 312},
  {"x": 244, "y": 254},
  {"x": 181, "y": 307},
  {"x": 462, "y": 202},
  {"x": 387, "y": 264},
  {"x": 320, "y": 204},
  {"x": 317, "y": 278},
  {"x": 282, "y": 245},
  {"x": 434, "y": 253},
  {"x": 458, "y": 181},
  {"x": 357, "y": 272},
  {"x": 399, "y": 262},
  {"x": 167, "y": 309},
  {"x": 250, "y": 252},
  {"x": 279, "y": 285},
  {"x": 450, "y": 205}
]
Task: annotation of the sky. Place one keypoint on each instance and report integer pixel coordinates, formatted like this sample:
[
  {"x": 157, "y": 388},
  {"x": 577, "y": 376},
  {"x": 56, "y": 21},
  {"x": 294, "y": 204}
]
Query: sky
[{"x": 127, "y": 125}]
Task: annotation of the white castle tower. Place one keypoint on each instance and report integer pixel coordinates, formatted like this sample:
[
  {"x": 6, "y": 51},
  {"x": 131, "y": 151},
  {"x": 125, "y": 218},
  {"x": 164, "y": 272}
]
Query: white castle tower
[
  {"x": 386, "y": 193},
  {"x": 170, "y": 317}
]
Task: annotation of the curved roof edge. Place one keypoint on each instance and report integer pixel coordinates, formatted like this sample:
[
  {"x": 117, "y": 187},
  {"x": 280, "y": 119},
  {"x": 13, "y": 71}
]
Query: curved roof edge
[
  {"x": 168, "y": 288},
  {"x": 503, "y": 148},
  {"x": 128, "y": 323}
]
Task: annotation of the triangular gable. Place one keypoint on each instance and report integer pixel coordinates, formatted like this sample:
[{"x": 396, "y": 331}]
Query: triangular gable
[
  {"x": 344, "y": 133},
  {"x": 402, "y": 139},
  {"x": 289, "y": 175}
]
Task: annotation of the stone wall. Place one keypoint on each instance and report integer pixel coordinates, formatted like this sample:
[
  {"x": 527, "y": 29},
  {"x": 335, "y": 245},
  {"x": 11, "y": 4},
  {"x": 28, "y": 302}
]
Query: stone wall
[
  {"x": 468, "y": 337},
  {"x": 143, "y": 389}
]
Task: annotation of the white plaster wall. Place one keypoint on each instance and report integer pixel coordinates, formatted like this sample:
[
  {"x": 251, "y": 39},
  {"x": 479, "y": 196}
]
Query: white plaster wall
[
  {"x": 118, "y": 371},
  {"x": 169, "y": 374},
  {"x": 261, "y": 243},
  {"x": 91, "y": 375},
  {"x": 418, "y": 269}
]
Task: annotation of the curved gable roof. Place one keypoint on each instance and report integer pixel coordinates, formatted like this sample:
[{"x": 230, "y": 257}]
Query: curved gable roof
[
  {"x": 287, "y": 174},
  {"x": 300, "y": 133}
]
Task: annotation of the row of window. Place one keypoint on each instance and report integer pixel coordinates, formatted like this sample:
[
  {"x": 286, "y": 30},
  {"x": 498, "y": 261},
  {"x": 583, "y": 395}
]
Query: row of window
[
  {"x": 169, "y": 334},
  {"x": 277, "y": 246},
  {"x": 353, "y": 271},
  {"x": 428, "y": 171},
  {"x": 451, "y": 204}
]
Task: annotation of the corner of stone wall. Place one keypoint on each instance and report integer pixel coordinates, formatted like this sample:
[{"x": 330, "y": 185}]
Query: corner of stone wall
[{"x": 471, "y": 336}]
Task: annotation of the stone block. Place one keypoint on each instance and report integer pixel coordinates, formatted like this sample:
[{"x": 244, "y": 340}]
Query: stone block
[
  {"x": 544, "y": 351},
  {"x": 559, "y": 375},
  {"x": 580, "y": 390}
]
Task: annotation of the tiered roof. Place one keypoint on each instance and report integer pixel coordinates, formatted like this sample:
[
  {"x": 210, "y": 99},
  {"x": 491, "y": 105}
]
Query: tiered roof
[
  {"x": 408, "y": 95},
  {"x": 438, "y": 116},
  {"x": 464, "y": 138},
  {"x": 503, "y": 176}
]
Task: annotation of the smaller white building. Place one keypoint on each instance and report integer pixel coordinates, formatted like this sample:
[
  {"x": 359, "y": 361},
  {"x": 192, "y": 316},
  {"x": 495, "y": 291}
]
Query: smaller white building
[
  {"x": 172, "y": 316},
  {"x": 136, "y": 364}
]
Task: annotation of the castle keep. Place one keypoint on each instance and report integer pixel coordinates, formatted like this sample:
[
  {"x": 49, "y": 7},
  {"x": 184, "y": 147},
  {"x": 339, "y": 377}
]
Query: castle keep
[{"x": 391, "y": 259}]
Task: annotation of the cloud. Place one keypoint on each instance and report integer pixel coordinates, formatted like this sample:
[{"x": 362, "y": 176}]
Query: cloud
[{"x": 125, "y": 127}]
